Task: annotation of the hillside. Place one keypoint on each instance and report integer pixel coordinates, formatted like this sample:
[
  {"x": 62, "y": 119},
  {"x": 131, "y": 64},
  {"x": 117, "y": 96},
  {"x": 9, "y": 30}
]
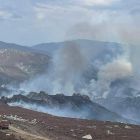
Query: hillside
[
  {"x": 58, "y": 128},
  {"x": 126, "y": 107},
  {"x": 12, "y": 46},
  {"x": 18, "y": 66},
  {"x": 75, "y": 106}
]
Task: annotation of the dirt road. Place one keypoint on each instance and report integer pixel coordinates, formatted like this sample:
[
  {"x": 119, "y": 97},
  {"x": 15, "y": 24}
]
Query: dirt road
[{"x": 25, "y": 135}]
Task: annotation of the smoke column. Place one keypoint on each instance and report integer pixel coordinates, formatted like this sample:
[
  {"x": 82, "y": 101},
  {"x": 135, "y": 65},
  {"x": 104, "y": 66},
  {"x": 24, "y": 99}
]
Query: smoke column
[
  {"x": 71, "y": 62},
  {"x": 68, "y": 64}
]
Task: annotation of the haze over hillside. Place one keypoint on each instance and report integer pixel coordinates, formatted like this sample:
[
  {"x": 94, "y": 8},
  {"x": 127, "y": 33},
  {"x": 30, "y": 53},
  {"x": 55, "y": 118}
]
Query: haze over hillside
[
  {"x": 78, "y": 66},
  {"x": 86, "y": 44}
]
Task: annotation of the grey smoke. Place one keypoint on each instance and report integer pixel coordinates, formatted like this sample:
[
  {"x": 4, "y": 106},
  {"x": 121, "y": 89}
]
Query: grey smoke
[
  {"x": 63, "y": 112},
  {"x": 129, "y": 35},
  {"x": 101, "y": 31},
  {"x": 71, "y": 62},
  {"x": 66, "y": 73},
  {"x": 68, "y": 64}
]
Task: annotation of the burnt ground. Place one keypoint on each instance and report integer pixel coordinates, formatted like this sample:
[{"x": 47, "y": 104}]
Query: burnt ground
[
  {"x": 59, "y": 128},
  {"x": 4, "y": 136}
]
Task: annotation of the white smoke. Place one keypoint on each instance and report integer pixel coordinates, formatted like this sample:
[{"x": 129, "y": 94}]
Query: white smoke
[
  {"x": 72, "y": 61},
  {"x": 115, "y": 70},
  {"x": 68, "y": 64},
  {"x": 112, "y": 72}
]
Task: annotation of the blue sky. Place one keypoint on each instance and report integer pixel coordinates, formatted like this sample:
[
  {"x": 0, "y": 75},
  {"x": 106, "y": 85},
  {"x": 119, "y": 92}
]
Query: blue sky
[{"x": 29, "y": 22}]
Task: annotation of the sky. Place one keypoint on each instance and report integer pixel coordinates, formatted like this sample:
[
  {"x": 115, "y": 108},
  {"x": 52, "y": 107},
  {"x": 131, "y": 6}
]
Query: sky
[{"x": 30, "y": 22}]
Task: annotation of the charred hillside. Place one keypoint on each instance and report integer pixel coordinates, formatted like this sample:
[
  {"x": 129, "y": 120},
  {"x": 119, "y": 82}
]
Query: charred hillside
[
  {"x": 126, "y": 107},
  {"x": 75, "y": 106}
]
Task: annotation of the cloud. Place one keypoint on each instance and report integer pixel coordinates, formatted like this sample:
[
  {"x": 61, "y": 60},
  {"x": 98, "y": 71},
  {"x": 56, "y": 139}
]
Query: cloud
[
  {"x": 5, "y": 15},
  {"x": 98, "y": 2},
  {"x": 135, "y": 10},
  {"x": 51, "y": 20},
  {"x": 40, "y": 15}
]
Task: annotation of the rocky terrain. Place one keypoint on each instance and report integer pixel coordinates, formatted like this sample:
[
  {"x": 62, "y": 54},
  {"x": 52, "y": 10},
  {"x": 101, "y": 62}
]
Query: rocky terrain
[
  {"x": 5, "y": 136},
  {"x": 60, "y": 128},
  {"x": 75, "y": 106},
  {"x": 18, "y": 66}
]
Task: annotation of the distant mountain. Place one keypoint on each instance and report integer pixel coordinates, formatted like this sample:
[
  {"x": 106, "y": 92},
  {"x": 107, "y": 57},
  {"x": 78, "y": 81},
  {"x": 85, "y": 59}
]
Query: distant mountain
[
  {"x": 76, "y": 105},
  {"x": 18, "y": 65},
  {"x": 12, "y": 46},
  {"x": 52, "y": 47}
]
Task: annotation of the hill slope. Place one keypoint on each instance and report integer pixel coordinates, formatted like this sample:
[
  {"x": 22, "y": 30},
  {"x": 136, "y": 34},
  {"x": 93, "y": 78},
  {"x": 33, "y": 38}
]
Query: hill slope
[
  {"x": 17, "y": 65},
  {"x": 67, "y": 128},
  {"x": 76, "y": 106},
  {"x": 126, "y": 107}
]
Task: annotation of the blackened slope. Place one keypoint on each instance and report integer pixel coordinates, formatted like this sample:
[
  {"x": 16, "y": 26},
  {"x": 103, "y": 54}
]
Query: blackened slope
[
  {"x": 21, "y": 98},
  {"x": 78, "y": 103},
  {"x": 127, "y": 107},
  {"x": 95, "y": 111}
]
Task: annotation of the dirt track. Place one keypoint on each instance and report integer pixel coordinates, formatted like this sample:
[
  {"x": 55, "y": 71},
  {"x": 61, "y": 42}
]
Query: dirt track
[
  {"x": 26, "y": 135},
  {"x": 22, "y": 134}
]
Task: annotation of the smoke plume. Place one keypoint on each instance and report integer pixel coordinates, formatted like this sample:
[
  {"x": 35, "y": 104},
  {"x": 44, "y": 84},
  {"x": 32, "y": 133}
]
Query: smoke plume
[
  {"x": 73, "y": 66},
  {"x": 69, "y": 64},
  {"x": 112, "y": 72}
]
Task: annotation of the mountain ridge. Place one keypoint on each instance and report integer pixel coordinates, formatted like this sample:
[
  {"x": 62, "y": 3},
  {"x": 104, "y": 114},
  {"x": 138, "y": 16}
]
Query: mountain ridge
[
  {"x": 54, "y": 46},
  {"x": 4, "y": 45},
  {"x": 80, "y": 106}
]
